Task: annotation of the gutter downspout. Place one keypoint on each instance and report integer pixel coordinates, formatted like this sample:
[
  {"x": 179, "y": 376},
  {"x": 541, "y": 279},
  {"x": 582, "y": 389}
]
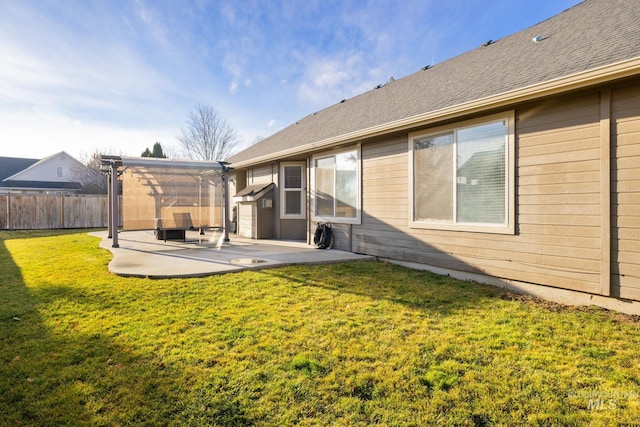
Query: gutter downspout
[{"x": 308, "y": 200}]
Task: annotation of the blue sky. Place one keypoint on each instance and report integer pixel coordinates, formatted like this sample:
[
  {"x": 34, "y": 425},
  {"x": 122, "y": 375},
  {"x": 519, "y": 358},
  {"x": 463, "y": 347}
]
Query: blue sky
[{"x": 118, "y": 75}]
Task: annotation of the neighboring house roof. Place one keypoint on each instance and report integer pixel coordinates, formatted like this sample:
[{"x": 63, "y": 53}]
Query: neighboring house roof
[
  {"x": 573, "y": 46},
  {"x": 33, "y": 174},
  {"x": 10, "y": 166},
  {"x": 40, "y": 185},
  {"x": 41, "y": 162}
]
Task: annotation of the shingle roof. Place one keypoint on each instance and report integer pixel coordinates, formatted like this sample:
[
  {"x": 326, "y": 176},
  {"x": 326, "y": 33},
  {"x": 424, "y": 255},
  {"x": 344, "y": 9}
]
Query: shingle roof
[
  {"x": 40, "y": 185},
  {"x": 39, "y": 162},
  {"x": 592, "y": 34},
  {"x": 253, "y": 192},
  {"x": 10, "y": 166}
]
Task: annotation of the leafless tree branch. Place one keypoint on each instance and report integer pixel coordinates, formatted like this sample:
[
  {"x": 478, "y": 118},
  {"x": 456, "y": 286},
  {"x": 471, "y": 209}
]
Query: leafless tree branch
[
  {"x": 93, "y": 181},
  {"x": 207, "y": 135}
]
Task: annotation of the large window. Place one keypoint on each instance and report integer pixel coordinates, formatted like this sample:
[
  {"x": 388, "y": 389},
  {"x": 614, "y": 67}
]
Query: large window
[
  {"x": 292, "y": 190},
  {"x": 462, "y": 177},
  {"x": 336, "y": 187}
]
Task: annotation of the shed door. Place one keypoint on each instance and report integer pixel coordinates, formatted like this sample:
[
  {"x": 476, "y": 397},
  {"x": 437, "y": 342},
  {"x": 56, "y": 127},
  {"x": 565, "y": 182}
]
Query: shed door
[{"x": 247, "y": 220}]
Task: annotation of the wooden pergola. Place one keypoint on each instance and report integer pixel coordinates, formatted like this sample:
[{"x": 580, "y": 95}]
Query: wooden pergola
[{"x": 165, "y": 194}]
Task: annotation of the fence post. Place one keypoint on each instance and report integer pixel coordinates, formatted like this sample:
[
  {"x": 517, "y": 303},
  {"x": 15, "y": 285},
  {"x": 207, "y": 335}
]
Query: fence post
[
  {"x": 61, "y": 210},
  {"x": 9, "y": 210}
]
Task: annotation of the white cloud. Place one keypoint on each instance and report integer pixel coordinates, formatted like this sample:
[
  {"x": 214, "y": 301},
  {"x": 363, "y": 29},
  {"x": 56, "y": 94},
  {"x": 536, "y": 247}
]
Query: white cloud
[
  {"x": 229, "y": 13},
  {"x": 271, "y": 123},
  {"x": 153, "y": 22},
  {"x": 235, "y": 85},
  {"x": 328, "y": 80},
  {"x": 233, "y": 64},
  {"x": 112, "y": 83},
  {"x": 44, "y": 133}
]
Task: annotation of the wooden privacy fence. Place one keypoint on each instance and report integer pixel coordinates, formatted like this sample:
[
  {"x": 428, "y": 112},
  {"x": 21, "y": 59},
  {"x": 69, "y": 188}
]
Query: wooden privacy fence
[{"x": 50, "y": 211}]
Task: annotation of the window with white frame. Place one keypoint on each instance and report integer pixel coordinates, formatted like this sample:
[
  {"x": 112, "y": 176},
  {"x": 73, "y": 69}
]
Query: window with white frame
[
  {"x": 59, "y": 171},
  {"x": 292, "y": 197},
  {"x": 336, "y": 186},
  {"x": 462, "y": 176}
]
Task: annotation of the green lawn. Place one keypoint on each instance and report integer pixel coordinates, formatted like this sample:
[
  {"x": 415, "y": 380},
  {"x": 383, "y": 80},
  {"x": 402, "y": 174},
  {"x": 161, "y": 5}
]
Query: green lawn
[{"x": 348, "y": 344}]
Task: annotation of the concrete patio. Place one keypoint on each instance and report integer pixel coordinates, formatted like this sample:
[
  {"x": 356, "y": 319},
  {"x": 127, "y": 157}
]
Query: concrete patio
[{"x": 141, "y": 255}]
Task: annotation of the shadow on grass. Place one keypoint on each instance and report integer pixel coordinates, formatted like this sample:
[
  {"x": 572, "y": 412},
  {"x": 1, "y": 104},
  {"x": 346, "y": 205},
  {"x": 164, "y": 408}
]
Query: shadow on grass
[
  {"x": 242, "y": 349},
  {"x": 55, "y": 374},
  {"x": 418, "y": 289}
]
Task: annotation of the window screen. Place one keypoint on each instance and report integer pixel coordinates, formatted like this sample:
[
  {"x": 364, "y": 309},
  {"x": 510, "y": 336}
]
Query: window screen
[
  {"x": 336, "y": 186},
  {"x": 292, "y": 190},
  {"x": 460, "y": 177}
]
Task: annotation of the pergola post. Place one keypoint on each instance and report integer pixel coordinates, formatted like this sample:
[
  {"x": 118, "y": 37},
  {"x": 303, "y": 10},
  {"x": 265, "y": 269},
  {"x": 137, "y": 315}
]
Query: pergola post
[
  {"x": 114, "y": 203},
  {"x": 226, "y": 199},
  {"x": 109, "y": 202}
]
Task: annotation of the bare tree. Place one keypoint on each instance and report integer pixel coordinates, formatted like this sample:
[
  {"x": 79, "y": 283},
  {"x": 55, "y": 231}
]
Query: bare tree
[
  {"x": 89, "y": 173},
  {"x": 93, "y": 181},
  {"x": 207, "y": 135},
  {"x": 171, "y": 151}
]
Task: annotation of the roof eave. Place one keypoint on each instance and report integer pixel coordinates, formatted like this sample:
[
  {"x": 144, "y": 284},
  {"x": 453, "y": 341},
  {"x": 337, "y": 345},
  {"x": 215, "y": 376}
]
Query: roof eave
[{"x": 592, "y": 77}]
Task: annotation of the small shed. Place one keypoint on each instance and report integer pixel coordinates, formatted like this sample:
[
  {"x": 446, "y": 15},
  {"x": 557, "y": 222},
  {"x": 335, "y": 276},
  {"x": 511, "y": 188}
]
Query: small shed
[{"x": 255, "y": 211}]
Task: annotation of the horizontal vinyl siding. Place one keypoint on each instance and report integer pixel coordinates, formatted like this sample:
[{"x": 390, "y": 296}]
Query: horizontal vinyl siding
[
  {"x": 261, "y": 227},
  {"x": 246, "y": 220},
  {"x": 293, "y": 229},
  {"x": 557, "y": 241},
  {"x": 625, "y": 198},
  {"x": 385, "y": 188},
  {"x": 558, "y": 198},
  {"x": 341, "y": 236},
  {"x": 263, "y": 174}
]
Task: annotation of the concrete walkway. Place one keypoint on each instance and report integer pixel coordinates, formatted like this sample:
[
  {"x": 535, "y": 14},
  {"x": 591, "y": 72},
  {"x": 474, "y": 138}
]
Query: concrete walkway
[{"x": 141, "y": 255}]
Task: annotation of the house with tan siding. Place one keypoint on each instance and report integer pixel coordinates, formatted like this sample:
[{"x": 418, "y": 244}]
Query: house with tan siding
[{"x": 515, "y": 164}]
